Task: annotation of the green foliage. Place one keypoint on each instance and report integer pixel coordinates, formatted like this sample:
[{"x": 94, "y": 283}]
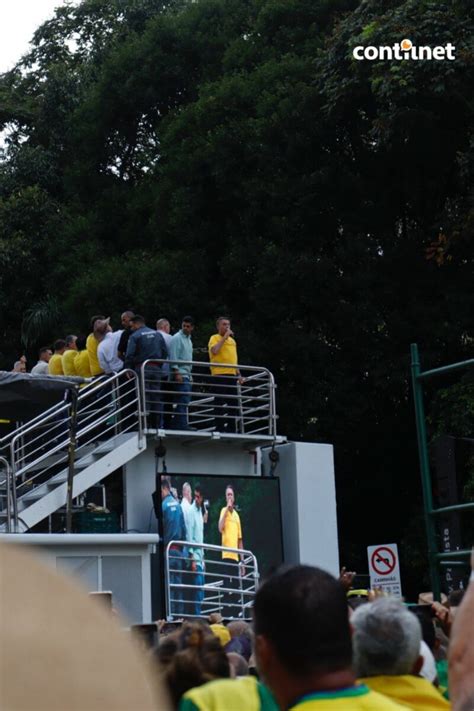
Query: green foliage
[{"x": 233, "y": 156}]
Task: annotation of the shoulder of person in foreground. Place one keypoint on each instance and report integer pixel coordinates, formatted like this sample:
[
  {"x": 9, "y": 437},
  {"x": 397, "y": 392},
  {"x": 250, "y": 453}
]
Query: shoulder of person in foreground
[
  {"x": 244, "y": 693},
  {"x": 461, "y": 651}
]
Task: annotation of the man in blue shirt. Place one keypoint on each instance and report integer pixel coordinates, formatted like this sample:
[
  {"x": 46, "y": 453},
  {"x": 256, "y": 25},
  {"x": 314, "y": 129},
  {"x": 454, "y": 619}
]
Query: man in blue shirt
[
  {"x": 181, "y": 349},
  {"x": 173, "y": 530},
  {"x": 146, "y": 344}
]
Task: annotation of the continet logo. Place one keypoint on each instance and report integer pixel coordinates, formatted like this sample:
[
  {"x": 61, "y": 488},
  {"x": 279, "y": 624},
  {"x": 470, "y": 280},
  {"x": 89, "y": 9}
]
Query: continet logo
[{"x": 404, "y": 50}]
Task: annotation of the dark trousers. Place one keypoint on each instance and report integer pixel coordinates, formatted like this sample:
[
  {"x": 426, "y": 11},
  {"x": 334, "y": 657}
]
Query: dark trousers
[
  {"x": 226, "y": 403},
  {"x": 231, "y": 600}
]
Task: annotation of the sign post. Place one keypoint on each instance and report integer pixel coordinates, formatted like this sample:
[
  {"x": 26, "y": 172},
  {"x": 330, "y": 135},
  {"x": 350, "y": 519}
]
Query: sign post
[{"x": 384, "y": 568}]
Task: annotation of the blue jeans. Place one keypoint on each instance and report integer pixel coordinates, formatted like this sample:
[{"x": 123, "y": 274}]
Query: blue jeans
[
  {"x": 183, "y": 398},
  {"x": 198, "y": 593},
  {"x": 176, "y": 564}
]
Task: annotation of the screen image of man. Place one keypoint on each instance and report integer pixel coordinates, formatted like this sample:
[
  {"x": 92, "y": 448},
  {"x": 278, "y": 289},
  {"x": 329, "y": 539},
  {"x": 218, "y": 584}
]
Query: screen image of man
[
  {"x": 231, "y": 537},
  {"x": 173, "y": 530},
  {"x": 197, "y": 520}
]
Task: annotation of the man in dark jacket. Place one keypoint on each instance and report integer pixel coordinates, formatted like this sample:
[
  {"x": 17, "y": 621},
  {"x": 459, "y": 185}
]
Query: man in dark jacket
[{"x": 146, "y": 344}]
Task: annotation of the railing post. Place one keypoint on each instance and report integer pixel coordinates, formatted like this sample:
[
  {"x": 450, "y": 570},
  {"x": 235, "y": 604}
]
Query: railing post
[{"x": 425, "y": 470}]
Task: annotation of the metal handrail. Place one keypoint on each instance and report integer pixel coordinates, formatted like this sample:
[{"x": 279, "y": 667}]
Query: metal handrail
[
  {"x": 246, "y": 594},
  {"x": 252, "y": 404},
  {"x": 8, "y": 485},
  {"x": 99, "y": 402}
]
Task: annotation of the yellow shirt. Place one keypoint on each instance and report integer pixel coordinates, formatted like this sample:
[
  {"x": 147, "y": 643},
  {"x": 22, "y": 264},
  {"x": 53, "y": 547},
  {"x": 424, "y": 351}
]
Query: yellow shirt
[
  {"x": 92, "y": 345},
  {"x": 68, "y": 362},
  {"x": 241, "y": 694},
  {"x": 55, "y": 365},
  {"x": 356, "y": 698},
  {"x": 231, "y": 533},
  {"x": 227, "y": 354},
  {"x": 81, "y": 364},
  {"x": 413, "y": 691}
]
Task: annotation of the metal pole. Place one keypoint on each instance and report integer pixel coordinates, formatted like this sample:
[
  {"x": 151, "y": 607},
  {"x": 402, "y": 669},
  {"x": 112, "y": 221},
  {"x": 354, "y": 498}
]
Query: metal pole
[
  {"x": 425, "y": 471},
  {"x": 73, "y": 393}
]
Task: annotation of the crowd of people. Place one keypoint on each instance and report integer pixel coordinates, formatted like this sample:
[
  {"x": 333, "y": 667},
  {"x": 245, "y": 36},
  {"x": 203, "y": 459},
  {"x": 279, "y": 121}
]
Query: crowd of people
[
  {"x": 309, "y": 649},
  {"x": 168, "y": 380}
]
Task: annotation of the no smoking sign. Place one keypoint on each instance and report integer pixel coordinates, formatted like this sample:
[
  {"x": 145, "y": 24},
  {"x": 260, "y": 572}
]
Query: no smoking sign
[{"x": 384, "y": 568}]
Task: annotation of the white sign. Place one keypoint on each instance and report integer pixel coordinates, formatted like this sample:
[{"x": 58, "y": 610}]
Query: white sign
[{"x": 384, "y": 568}]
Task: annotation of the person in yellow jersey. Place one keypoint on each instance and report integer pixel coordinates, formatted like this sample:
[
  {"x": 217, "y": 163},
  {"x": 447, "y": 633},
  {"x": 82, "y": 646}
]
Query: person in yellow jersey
[
  {"x": 92, "y": 345},
  {"x": 69, "y": 356},
  {"x": 303, "y": 644},
  {"x": 55, "y": 365},
  {"x": 81, "y": 358},
  {"x": 230, "y": 529},
  {"x": 224, "y": 377},
  {"x": 386, "y": 642}
]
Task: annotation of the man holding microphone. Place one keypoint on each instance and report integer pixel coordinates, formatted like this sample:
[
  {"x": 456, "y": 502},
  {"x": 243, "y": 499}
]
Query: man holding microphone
[
  {"x": 225, "y": 376},
  {"x": 231, "y": 532}
]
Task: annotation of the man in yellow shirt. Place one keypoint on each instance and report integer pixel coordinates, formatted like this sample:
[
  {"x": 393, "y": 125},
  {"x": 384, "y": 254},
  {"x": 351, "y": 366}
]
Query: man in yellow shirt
[
  {"x": 231, "y": 537},
  {"x": 69, "y": 356},
  {"x": 92, "y": 345},
  {"x": 225, "y": 376},
  {"x": 303, "y": 644},
  {"x": 386, "y": 642},
  {"x": 81, "y": 358},
  {"x": 55, "y": 365}
]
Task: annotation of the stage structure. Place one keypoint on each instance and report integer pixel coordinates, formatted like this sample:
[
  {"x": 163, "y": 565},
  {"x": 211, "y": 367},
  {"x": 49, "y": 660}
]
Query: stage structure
[{"x": 141, "y": 425}]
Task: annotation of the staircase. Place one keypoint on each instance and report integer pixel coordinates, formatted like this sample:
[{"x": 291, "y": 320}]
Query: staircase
[{"x": 34, "y": 459}]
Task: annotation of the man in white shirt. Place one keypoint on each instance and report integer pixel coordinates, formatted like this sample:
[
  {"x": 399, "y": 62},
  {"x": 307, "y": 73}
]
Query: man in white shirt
[
  {"x": 163, "y": 327},
  {"x": 107, "y": 351},
  {"x": 41, "y": 367}
]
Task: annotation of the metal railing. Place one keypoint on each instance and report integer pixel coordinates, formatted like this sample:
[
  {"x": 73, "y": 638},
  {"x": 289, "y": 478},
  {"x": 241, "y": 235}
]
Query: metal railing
[
  {"x": 197, "y": 589},
  {"x": 150, "y": 399},
  {"x": 39, "y": 449},
  {"x": 435, "y": 557},
  {"x": 199, "y": 400},
  {"x": 5, "y": 491}
]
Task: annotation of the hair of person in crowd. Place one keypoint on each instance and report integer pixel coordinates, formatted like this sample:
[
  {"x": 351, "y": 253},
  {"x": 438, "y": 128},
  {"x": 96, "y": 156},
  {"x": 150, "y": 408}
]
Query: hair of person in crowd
[
  {"x": 191, "y": 657},
  {"x": 81, "y": 342},
  {"x": 137, "y": 319},
  {"x": 188, "y": 319},
  {"x": 315, "y": 649},
  {"x": 428, "y": 630},
  {"x": 163, "y": 325},
  {"x": 166, "y": 482},
  {"x": 70, "y": 341},
  {"x": 59, "y": 345},
  {"x": 455, "y": 598},
  {"x": 221, "y": 318},
  {"x": 386, "y": 639},
  {"x": 238, "y": 665},
  {"x": 43, "y": 350},
  {"x": 98, "y": 317}
]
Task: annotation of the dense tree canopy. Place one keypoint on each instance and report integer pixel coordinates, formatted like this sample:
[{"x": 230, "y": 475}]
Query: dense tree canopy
[{"x": 220, "y": 156}]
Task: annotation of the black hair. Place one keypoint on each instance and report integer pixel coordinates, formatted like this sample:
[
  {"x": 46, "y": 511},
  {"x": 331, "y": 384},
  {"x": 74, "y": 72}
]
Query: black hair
[
  {"x": 70, "y": 339},
  {"x": 81, "y": 343},
  {"x": 166, "y": 482},
  {"x": 455, "y": 597},
  {"x": 137, "y": 319},
  {"x": 317, "y": 639},
  {"x": 59, "y": 344},
  {"x": 188, "y": 319},
  {"x": 99, "y": 317},
  {"x": 42, "y": 350},
  {"x": 427, "y": 626}
]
